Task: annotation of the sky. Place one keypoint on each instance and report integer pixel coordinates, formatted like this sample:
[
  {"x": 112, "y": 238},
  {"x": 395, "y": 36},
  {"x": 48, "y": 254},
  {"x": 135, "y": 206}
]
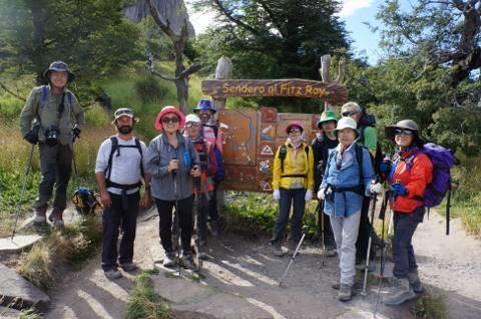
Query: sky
[{"x": 355, "y": 13}]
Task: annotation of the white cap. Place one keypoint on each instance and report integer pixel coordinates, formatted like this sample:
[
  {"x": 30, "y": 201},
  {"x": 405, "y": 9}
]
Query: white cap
[
  {"x": 193, "y": 118},
  {"x": 346, "y": 122}
]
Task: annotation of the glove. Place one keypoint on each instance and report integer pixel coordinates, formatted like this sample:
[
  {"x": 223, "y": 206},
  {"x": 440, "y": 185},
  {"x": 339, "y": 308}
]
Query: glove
[
  {"x": 76, "y": 131},
  {"x": 376, "y": 188},
  {"x": 399, "y": 189},
  {"x": 321, "y": 194},
  {"x": 276, "y": 194},
  {"x": 308, "y": 195}
]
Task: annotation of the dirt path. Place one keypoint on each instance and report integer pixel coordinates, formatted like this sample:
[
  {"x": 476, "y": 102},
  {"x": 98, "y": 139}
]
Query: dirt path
[
  {"x": 450, "y": 265},
  {"x": 240, "y": 281}
]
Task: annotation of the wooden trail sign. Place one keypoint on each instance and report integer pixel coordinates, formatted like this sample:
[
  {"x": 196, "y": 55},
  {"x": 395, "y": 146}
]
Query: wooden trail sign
[
  {"x": 251, "y": 138},
  {"x": 330, "y": 92}
]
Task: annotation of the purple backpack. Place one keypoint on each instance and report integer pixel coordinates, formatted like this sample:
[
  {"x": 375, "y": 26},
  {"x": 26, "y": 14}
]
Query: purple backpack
[{"x": 442, "y": 159}]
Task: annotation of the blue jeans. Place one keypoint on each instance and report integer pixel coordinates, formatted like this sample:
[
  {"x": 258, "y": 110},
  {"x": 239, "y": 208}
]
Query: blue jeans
[
  {"x": 114, "y": 217},
  {"x": 402, "y": 249},
  {"x": 288, "y": 196}
]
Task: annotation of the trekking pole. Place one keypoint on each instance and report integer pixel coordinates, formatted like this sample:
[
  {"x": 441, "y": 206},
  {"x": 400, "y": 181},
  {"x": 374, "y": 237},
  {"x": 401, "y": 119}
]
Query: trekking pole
[
  {"x": 369, "y": 244},
  {"x": 22, "y": 192},
  {"x": 382, "y": 215},
  {"x": 198, "y": 198},
  {"x": 293, "y": 257},
  {"x": 323, "y": 243},
  {"x": 176, "y": 221}
]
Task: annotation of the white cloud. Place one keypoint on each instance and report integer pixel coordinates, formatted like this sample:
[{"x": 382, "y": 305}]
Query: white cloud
[{"x": 351, "y": 6}]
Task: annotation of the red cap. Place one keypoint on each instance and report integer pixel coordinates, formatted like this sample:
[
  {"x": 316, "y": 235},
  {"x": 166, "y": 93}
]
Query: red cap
[{"x": 166, "y": 110}]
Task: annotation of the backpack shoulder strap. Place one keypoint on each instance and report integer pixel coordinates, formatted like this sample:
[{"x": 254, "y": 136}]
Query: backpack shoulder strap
[
  {"x": 139, "y": 147},
  {"x": 44, "y": 96},
  {"x": 361, "y": 134},
  {"x": 359, "y": 157},
  {"x": 282, "y": 155},
  {"x": 114, "y": 147}
]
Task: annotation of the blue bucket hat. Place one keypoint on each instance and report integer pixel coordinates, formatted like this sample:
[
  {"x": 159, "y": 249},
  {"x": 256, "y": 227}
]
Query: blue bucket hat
[
  {"x": 205, "y": 105},
  {"x": 59, "y": 66}
]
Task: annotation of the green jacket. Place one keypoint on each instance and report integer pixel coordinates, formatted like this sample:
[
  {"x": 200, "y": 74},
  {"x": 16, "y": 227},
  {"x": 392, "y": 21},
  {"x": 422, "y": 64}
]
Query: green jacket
[{"x": 47, "y": 109}]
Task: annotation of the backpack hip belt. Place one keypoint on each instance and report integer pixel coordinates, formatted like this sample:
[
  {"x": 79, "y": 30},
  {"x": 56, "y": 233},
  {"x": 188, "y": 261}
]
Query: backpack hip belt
[
  {"x": 127, "y": 187},
  {"x": 355, "y": 189},
  {"x": 294, "y": 175}
]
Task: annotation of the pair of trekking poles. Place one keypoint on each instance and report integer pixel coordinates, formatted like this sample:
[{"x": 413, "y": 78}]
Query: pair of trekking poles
[
  {"x": 176, "y": 238},
  {"x": 382, "y": 214}
]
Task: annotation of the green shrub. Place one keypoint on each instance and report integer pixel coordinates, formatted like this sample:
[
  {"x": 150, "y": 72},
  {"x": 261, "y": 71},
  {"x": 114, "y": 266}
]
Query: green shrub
[{"x": 149, "y": 89}]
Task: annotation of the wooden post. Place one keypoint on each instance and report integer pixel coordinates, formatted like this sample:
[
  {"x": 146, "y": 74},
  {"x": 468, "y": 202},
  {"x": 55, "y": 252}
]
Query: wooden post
[
  {"x": 324, "y": 71},
  {"x": 223, "y": 71}
]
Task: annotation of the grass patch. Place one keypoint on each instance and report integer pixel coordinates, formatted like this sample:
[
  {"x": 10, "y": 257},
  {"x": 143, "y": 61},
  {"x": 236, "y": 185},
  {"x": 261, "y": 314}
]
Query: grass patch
[
  {"x": 69, "y": 247},
  {"x": 144, "y": 303},
  {"x": 466, "y": 198},
  {"x": 30, "y": 314},
  {"x": 255, "y": 213},
  {"x": 430, "y": 307}
]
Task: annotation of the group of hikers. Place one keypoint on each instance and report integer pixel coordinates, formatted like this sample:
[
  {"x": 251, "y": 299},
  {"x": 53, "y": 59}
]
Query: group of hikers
[
  {"x": 181, "y": 169},
  {"x": 339, "y": 167}
]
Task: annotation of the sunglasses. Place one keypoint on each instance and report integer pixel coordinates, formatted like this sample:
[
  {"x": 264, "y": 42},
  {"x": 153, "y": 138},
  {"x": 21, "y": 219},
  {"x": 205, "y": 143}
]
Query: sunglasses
[
  {"x": 168, "y": 120},
  {"x": 123, "y": 112},
  {"x": 190, "y": 124},
  {"x": 349, "y": 113},
  {"x": 295, "y": 130},
  {"x": 399, "y": 131}
]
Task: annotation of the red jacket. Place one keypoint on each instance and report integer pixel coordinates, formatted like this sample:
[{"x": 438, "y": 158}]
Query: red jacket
[{"x": 415, "y": 172}]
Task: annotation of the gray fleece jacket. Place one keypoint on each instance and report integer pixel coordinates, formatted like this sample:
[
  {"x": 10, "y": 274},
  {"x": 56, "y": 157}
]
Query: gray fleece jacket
[{"x": 167, "y": 186}]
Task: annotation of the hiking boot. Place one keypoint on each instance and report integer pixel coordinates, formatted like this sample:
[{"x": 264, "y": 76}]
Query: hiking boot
[
  {"x": 345, "y": 293},
  {"x": 400, "y": 293},
  {"x": 39, "y": 216},
  {"x": 292, "y": 247},
  {"x": 188, "y": 262},
  {"x": 169, "y": 260},
  {"x": 112, "y": 274},
  {"x": 129, "y": 267},
  {"x": 56, "y": 217},
  {"x": 337, "y": 286},
  {"x": 415, "y": 282},
  {"x": 213, "y": 227},
  {"x": 276, "y": 249}
]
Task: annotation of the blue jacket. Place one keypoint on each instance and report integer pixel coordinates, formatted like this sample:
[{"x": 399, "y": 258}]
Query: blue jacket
[
  {"x": 166, "y": 186},
  {"x": 344, "y": 200}
]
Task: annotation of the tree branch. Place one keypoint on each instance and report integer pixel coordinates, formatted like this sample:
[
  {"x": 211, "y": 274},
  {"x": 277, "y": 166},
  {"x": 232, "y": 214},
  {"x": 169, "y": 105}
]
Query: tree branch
[
  {"x": 230, "y": 16},
  {"x": 163, "y": 77},
  {"x": 158, "y": 20},
  {"x": 4, "y": 87},
  {"x": 271, "y": 16}
]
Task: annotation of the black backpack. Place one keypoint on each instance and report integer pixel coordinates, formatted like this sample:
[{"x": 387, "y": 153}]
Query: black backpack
[{"x": 116, "y": 148}]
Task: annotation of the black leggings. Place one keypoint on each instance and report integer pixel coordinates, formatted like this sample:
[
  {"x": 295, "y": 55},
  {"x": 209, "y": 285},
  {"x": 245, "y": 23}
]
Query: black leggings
[{"x": 164, "y": 209}]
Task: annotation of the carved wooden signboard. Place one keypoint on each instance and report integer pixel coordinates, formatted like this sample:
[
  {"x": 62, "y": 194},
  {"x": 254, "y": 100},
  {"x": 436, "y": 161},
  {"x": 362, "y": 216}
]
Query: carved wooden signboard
[
  {"x": 251, "y": 139},
  {"x": 331, "y": 92}
]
